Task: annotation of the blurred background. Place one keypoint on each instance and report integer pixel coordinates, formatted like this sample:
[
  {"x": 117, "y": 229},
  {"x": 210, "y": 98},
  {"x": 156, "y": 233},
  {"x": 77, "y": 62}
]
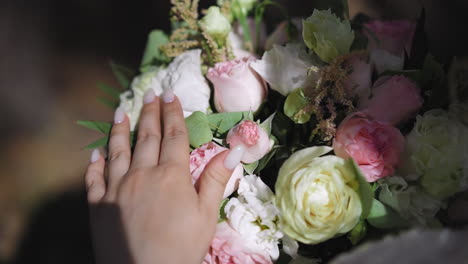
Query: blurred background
[{"x": 52, "y": 54}]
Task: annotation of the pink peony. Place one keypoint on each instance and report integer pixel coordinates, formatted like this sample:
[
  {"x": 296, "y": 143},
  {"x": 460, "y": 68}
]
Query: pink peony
[
  {"x": 200, "y": 157},
  {"x": 228, "y": 247},
  {"x": 394, "y": 100},
  {"x": 358, "y": 83},
  {"x": 376, "y": 147},
  {"x": 237, "y": 87},
  {"x": 253, "y": 137},
  {"x": 388, "y": 41}
]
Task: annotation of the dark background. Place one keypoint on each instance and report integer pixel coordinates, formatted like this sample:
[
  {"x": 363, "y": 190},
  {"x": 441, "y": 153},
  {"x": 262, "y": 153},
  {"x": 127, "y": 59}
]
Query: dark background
[{"x": 52, "y": 53}]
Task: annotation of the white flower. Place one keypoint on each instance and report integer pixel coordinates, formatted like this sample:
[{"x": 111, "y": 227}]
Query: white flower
[
  {"x": 216, "y": 25},
  {"x": 183, "y": 76},
  {"x": 286, "y": 68},
  {"x": 254, "y": 216}
]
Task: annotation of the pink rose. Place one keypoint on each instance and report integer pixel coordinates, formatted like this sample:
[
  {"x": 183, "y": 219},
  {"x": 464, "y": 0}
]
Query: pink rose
[
  {"x": 237, "y": 87},
  {"x": 388, "y": 41},
  {"x": 200, "y": 157},
  {"x": 376, "y": 147},
  {"x": 228, "y": 247},
  {"x": 254, "y": 138},
  {"x": 359, "y": 82},
  {"x": 395, "y": 99}
]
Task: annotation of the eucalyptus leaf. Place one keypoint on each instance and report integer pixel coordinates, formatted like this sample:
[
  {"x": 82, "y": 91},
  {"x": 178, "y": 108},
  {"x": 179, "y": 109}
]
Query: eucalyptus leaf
[
  {"x": 366, "y": 194},
  {"x": 113, "y": 92},
  {"x": 198, "y": 129},
  {"x": 382, "y": 216},
  {"x": 153, "y": 55},
  {"x": 294, "y": 105},
  {"x": 99, "y": 126},
  {"x": 122, "y": 73},
  {"x": 250, "y": 168},
  {"x": 221, "y": 123},
  {"x": 221, "y": 214}
]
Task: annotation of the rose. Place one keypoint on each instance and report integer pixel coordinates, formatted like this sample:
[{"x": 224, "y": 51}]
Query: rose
[
  {"x": 286, "y": 68},
  {"x": 283, "y": 33},
  {"x": 201, "y": 156},
  {"x": 183, "y": 76},
  {"x": 327, "y": 35},
  {"x": 228, "y": 247},
  {"x": 254, "y": 216},
  {"x": 358, "y": 83},
  {"x": 388, "y": 41},
  {"x": 237, "y": 87},
  {"x": 376, "y": 147},
  {"x": 437, "y": 152},
  {"x": 216, "y": 25},
  {"x": 317, "y": 196},
  {"x": 255, "y": 139},
  {"x": 395, "y": 99}
]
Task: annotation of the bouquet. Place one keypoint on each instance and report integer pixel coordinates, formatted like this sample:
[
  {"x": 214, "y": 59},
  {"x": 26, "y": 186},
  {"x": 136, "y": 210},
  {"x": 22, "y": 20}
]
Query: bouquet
[{"x": 351, "y": 130}]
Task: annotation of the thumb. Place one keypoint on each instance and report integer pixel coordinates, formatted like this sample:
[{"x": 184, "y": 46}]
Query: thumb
[{"x": 215, "y": 177}]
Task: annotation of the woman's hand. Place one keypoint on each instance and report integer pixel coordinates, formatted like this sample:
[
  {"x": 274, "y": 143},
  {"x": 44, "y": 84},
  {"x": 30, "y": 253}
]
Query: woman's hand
[{"x": 146, "y": 210}]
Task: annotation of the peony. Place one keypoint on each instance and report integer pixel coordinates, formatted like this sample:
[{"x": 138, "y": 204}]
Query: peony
[
  {"x": 228, "y": 247},
  {"x": 254, "y": 216},
  {"x": 255, "y": 139},
  {"x": 376, "y": 147},
  {"x": 411, "y": 202},
  {"x": 282, "y": 34},
  {"x": 388, "y": 41},
  {"x": 358, "y": 83},
  {"x": 183, "y": 76},
  {"x": 437, "y": 153},
  {"x": 216, "y": 25},
  {"x": 317, "y": 196},
  {"x": 327, "y": 35},
  {"x": 395, "y": 99},
  {"x": 200, "y": 157},
  {"x": 286, "y": 68},
  {"x": 237, "y": 87}
]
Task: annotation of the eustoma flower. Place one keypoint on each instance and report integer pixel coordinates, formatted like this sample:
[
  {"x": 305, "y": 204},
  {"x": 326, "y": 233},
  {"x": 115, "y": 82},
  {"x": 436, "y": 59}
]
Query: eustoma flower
[
  {"x": 376, "y": 147},
  {"x": 236, "y": 86},
  {"x": 388, "y": 41},
  {"x": 253, "y": 137},
  {"x": 317, "y": 196},
  {"x": 201, "y": 156}
]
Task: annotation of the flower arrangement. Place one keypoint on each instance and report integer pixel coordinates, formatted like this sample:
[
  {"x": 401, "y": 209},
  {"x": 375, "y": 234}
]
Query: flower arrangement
[{"x": 344, "y": 124}]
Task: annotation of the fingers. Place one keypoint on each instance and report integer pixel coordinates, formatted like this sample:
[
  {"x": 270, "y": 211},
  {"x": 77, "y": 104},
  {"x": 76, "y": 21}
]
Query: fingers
[
  {"x": 94, "y": 178},
  {"x": 215, "y": 177},
  {"x": 146, "y": 152},
  {"x": 174, "y": 145},
  {"x": 119, "y": 150}
]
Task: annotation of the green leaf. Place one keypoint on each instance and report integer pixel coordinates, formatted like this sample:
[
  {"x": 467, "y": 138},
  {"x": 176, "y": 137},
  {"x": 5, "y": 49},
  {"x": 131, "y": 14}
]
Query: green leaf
[
  {"x": 358, "y": 232},
  {"x": 250, "y": 168},
  {"x": 221, "y": 123},
  {"x": 122, "y": 73},
  {"x": 102, "y": 142},
  {"x": 198, "y": 129},
  {"x": 153, "y": 55},
  {"x": 109, "y": 103},
  {"x": 221, "y": 214},
  {"x": 114, "y": 92},
  {"x": 383, "y": 217},
  {"x": 293, "y": 107},
  {"x": 99, "y": 126},
  {"x": 263, "y": 162},
  {"x": 366, "y": 194},
  {"x": 268, "y": 123}
]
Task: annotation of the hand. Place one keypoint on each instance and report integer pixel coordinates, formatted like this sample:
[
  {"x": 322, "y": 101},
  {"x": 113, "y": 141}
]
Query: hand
[{"x": 147, "y": 210}]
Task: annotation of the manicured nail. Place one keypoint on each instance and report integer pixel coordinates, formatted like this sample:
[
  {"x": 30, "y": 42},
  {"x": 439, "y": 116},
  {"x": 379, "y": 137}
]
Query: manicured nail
[
  {"x": 119, "y": 115},
  {"x": 149, "y": 96},
  {"x": 234, "y": 157},
  {"x": 95, "y": 155},
  {"x": 168, "y": 96}
]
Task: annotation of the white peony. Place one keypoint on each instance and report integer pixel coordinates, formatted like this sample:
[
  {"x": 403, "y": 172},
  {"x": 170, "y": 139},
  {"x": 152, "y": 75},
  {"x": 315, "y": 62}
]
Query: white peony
[
  {"x": 183, "y": 76},
  {"x": 254, "y": 216},
  {"x": 286, "y": 68}
]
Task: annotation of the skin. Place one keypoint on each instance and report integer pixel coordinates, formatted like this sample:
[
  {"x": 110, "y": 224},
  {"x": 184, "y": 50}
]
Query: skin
[{"x": 146, "y": 209}]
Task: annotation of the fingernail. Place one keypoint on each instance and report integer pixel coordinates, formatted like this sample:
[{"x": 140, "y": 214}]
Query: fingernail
[
  {"x": 119, "y": 115},
  {"x": 234, "y": 157},
  {"x": 95, "y": 155},
  {"x": 168, "y": 96},
  {"x": 149, "y": 96}
]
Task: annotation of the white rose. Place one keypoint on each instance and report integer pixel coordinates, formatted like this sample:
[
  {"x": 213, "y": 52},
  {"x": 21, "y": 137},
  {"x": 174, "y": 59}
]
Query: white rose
[
  {"x": 183, "y": 76},
  {"x": 286, "y": 68},
  {"x": 254, "y": 216}
]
